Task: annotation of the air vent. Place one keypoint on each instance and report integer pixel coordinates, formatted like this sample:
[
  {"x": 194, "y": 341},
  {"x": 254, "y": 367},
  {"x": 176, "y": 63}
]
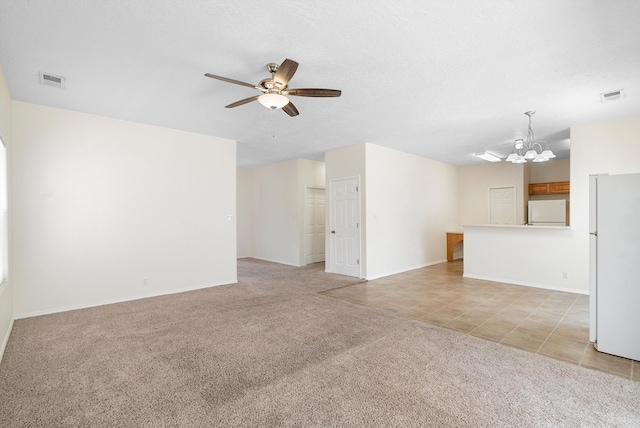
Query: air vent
[
  {"x": 612, "y": 96},
  {"x": 51, "y": 80}
]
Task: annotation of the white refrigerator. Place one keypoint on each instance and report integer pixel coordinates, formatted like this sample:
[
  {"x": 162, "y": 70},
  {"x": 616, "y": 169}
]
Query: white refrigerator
[
  {"x": 614, "y": 276},
  {"x": 548, "y": 213}
]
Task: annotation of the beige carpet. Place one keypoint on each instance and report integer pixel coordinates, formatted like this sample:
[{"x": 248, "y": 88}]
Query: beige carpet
[{"x": 270, "y": 351}]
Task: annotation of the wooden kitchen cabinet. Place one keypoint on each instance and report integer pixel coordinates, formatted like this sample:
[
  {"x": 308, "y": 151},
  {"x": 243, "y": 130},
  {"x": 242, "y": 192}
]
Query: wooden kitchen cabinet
[
  {"x": 559, "y": 187},
  {"x": 539, "y": 188},
  {"x": 553, "y": 188}
]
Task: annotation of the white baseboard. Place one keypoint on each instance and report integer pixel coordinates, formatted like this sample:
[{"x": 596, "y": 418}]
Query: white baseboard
[
  {"x": 110, "y": 302},
  {"x": 274, "y": 261},
  {"x": 528, "y": 284},
  {"x": 6, "y": 340},
  {"x": 371, "y": 278}
]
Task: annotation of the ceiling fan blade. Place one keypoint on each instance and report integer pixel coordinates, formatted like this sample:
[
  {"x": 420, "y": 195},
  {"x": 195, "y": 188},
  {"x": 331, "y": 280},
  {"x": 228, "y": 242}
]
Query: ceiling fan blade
[
  {"x": 241, "y": 102},
  {"x": 290, "y": 109},
  {"x": 226, "y": 79},
  {"x": 285, "y": 72},
  {"x": 313, "y": 92}
]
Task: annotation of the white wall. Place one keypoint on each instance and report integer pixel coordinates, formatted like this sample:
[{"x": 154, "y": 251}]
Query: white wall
[
  {"x": 348, "y": 162},
  {"x": 245, "y": 212},
  {"x": 101, "y": 204},
  {"x": 411, "y": 203},
  {"x": 605, "y": 147},
  {"x": 475, "y": 182},
  {"x": 275, "y": 208},
  {"x": 407, "y": 205},
  {"x": 278, "y": 208},
  {"x": 6, "y": 290}
]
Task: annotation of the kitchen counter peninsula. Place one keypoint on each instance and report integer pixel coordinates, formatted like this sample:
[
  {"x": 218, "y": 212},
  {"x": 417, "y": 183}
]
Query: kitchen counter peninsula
[
  {"x": 518, "y": 226},
  {"x": 536, "y": 256}
]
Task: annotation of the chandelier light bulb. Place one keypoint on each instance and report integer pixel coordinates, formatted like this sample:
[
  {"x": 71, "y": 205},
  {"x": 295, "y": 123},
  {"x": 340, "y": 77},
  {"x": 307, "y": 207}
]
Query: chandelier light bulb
[{"x": 548, "y": 154}]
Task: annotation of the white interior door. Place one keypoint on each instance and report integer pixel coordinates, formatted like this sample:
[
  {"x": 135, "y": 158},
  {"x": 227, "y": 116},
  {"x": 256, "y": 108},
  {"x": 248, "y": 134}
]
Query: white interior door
[
  {"x": 314, "y": 225},
  {"x": 502, "y": 207},
  {"x": 344, "y": 225}
]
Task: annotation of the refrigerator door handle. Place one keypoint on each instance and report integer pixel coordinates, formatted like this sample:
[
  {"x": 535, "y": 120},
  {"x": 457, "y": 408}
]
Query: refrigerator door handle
[{"x": 593, "y": 233}]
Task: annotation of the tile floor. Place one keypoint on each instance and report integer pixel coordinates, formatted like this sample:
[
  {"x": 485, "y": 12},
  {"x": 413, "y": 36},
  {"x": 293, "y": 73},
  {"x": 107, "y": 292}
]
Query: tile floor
[{"x": 552, "y": 323}]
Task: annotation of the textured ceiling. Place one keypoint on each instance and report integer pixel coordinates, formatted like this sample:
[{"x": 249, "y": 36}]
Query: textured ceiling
[{"x": 440, "y": 79}]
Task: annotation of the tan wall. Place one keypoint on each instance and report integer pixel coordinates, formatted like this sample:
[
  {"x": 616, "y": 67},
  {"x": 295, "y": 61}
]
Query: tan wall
[
  {"x": 475, "y": 182},
  {"x": 554, "y": 170}
]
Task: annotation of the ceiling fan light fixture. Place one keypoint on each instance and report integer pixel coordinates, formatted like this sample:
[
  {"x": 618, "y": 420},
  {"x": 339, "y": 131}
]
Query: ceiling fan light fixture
[
  {"x": 273, "y": 101},
  {"x": 275, "y": 88}
]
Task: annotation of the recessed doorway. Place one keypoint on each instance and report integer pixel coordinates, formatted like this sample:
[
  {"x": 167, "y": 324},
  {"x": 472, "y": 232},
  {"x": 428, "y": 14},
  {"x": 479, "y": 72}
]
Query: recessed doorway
[{"x": 314, "y": 225}]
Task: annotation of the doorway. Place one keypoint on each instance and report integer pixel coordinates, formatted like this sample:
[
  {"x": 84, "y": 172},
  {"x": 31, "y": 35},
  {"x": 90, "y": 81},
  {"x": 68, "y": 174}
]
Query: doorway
[
  {"x": 314, "y": 225},
  {"x": 344, "y": 225}
]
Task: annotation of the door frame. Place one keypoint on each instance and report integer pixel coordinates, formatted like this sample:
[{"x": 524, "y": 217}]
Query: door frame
[
  {"x": 304, "y": 214},
  {"x": 329, "y": 242}
]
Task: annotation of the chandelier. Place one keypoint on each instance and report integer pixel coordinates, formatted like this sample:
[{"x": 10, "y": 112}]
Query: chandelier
[{"x": 530, "y": 149}]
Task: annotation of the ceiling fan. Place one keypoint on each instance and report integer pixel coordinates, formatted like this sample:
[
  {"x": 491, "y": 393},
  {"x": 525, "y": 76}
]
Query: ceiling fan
[{"x": 275, "y": 89}]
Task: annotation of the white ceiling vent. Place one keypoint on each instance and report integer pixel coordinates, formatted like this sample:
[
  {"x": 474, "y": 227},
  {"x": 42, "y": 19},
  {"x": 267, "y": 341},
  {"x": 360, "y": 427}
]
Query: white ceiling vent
[
  {"x": 612, "y": 96},
  {"x": 51, "y": 80}
]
